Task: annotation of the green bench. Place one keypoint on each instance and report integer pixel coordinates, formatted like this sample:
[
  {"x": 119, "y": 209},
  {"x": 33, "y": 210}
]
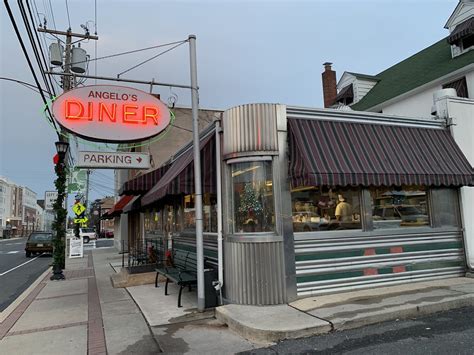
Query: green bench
[{"x": 182, "y": 272}]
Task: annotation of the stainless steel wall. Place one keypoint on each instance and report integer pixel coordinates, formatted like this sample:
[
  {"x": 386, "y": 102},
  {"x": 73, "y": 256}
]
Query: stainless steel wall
[
  {"x": 325, "y": 264},
  {"x": 250, "y": 130},
  {"x": 254, "y": 272}
]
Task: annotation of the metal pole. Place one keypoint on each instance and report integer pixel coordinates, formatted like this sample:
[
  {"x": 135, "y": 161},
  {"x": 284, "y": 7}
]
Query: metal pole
[
  {"x": 197, "y": 173},
  {"x": 220, "y": 255}
]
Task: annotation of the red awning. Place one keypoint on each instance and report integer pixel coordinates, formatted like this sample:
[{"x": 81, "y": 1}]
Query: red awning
[
  {"x": 116, "y": 210},
  {"x": 346, "y": 153},
  {"x": 179, "y": 179}
]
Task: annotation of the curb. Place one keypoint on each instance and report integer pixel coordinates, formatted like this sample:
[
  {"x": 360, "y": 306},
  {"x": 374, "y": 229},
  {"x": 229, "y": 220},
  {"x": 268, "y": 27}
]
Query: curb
[
  {"x": 262, "y": 335},
  {"x": 7, "y": 311},
  {"x": 265, "y": 336}
]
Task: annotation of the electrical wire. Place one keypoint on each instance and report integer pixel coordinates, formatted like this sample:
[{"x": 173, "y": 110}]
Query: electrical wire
[
  {"x": 22, "y": 44},
  {"x": 25, "y": 84},
  {"x": 53, "y": 91},
  {"x": 67, "y": 10},
  {"x": 132, "y": 51},
  {"x": 52, "y": 14},
  {"x": 150, "y": 59}
]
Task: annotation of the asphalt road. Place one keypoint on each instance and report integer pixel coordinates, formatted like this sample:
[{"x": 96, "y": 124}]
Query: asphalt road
[
  {"x": 17, "y": 272},
  {"x": 442, "y": 333}
]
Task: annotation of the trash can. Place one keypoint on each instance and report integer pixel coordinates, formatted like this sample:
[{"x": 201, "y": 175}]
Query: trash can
[{"x": 210, "y": 292}]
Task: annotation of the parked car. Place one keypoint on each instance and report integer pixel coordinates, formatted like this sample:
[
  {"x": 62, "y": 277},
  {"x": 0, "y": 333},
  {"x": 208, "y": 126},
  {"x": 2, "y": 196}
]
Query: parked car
[
  {"x": 87, "y": 234},
  {"x": 39, "y": 242},
  {"x": 106, "y": 234}
]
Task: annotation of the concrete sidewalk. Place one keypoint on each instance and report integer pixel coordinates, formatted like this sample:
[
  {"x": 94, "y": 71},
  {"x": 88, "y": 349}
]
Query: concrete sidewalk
[
  {"x": 322, "y": 314},
  {"x": 81, "y": 315}
]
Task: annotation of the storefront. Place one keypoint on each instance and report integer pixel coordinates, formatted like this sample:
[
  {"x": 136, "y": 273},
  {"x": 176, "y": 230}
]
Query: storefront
[{"x": 318, "y": 201}]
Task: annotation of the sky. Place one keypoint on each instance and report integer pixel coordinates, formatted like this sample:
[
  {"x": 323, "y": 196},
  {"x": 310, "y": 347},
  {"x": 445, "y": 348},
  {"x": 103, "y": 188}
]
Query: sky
[{"x": 247, "y": 52}]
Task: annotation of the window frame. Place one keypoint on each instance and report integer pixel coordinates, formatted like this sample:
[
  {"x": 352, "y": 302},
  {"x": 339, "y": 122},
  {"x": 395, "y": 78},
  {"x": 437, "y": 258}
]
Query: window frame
[{"x": 232, "y": 214}]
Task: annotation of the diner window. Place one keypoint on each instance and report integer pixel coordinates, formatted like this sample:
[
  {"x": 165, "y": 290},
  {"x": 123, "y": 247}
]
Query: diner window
[
  {"x": 153, "y": 222},
  {"x": 252, "y": 197},
  {"x": 316, "y": 208},
  {"x": 209, "y": 213},
  {"x": 399, "y": 207}
]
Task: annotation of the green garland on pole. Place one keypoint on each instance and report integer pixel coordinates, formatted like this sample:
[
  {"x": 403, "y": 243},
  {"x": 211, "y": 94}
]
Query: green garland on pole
[{"x": 60, "y": 216}]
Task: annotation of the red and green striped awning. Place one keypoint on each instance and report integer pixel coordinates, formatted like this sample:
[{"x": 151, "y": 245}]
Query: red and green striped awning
[
  {"x": 179, "y": 179},
  {"x": 339, "y": 153},
  {"x": 143, "y": 183}
]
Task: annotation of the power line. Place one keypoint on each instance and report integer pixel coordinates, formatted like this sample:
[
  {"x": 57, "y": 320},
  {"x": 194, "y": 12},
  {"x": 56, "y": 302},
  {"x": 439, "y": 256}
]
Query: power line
[
  {"x": 150, "y": 59},
  {"x": 132, "y": 51},
  {"x": 52, "y": 14},
  {"x": 25, "y": 84},
  {"x": 22, "y": 44},
  {"x": 67, "y": 10}
]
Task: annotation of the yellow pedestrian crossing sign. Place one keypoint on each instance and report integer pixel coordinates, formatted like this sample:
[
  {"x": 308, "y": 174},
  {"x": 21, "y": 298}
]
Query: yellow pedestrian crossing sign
[{"x": 78, "y": 209}]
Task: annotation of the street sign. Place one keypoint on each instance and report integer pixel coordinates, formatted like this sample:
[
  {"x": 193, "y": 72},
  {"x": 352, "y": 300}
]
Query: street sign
[
  {"x": 81, "y": 220},
  {"x": 49, "y": 199},
  {"x": 113, "y": 160},
  {"x": 78, "y": 209}
]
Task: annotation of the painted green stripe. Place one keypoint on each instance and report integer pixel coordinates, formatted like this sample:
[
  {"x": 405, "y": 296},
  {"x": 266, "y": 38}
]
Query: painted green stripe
[
  {"x": 330, "y": 255},
  {"x": 332, "y": 276},
  {"x": 433, "y": 246}
]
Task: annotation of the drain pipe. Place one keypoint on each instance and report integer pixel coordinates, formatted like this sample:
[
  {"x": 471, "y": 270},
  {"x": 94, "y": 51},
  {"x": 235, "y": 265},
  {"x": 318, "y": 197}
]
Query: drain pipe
[{"x": 220, "y": 255}]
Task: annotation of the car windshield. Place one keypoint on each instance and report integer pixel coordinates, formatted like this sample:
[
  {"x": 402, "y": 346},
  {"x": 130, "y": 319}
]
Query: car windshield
[
  {"x": 40, "y": 237},
  {"x": 88, "y": 230}
]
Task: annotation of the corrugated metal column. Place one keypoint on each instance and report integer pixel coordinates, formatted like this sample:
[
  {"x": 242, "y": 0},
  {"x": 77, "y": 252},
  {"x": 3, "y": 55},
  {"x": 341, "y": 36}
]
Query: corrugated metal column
[{"x": 197, "y": 174}]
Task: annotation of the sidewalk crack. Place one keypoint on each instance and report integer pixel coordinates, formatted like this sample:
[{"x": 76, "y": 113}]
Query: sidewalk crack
[{"x": 312, "y": 315}]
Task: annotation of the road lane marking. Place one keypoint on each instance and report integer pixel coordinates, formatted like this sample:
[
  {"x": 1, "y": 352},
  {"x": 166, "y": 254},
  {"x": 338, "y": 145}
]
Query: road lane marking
[
  {"x": 16, "y": 267},
  {"x": 13, "y": 252}
]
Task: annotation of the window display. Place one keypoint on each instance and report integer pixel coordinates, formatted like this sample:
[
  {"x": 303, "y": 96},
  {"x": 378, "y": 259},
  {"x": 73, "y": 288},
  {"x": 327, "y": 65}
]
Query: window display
[
  {"x": 397, "y": 207},
  {"x": 252, "y": 195},
  {"x": 322, "y": 208},
  {"x": 209, "y": 213}
]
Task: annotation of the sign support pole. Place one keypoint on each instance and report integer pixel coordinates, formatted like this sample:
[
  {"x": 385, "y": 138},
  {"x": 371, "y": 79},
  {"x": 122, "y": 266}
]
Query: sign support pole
[{"x": 197, "y": 174}]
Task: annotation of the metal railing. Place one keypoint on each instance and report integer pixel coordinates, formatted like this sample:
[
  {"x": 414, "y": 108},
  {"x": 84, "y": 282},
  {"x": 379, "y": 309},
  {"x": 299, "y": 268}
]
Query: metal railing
[{"x": 140, "y": 252}]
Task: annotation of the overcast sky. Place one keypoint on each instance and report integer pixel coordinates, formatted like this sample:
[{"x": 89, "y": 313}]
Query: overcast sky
[{"x": 248, "y": 51}]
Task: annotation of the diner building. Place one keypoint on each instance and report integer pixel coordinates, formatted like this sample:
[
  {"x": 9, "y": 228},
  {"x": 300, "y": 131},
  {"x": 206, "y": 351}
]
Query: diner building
[{"x": 301, "y": 201}]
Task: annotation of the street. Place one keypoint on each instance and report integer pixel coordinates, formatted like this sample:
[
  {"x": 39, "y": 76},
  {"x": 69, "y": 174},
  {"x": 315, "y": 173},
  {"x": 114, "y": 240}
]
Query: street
[
  {"x": 449, "y": 332},
  {"x": 17, "y": 272}
]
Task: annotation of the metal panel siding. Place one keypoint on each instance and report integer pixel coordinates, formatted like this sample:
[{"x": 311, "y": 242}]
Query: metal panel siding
[
  {"x": 254, "y": 273},
  {"x": 250, "y": 129},
  {"x": 326, "y": 265}
]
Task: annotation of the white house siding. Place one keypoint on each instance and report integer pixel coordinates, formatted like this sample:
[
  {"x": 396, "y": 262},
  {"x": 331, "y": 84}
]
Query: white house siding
[
  {"x": 361, "y": 88},
  {"x": 464, "y": 13},
  {"x": 345, "y": 80},
  {"x": 418, "y": 105},
  {"x": 462, "y": 113},
  {"x": 470, "y": 84}
]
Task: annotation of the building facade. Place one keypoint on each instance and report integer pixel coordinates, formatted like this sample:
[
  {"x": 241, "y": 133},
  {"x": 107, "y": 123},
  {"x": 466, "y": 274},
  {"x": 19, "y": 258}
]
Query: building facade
[{"x": 300, "y": 202}]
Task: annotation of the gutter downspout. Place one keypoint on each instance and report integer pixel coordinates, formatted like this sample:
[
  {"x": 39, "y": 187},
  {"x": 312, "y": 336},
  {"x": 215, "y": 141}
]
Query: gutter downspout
[{"x": 220, "y": 255}]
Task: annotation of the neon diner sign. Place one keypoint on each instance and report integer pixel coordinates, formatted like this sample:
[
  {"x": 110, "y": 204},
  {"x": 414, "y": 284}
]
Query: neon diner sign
[{"x": 111, "y": 113}]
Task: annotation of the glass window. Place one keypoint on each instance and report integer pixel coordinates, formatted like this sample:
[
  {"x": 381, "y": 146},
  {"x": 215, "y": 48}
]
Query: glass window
[
  {"x": 323, "y": 208},
  {"x": 252, "y": 197},
  {"x": 396, "y": 207},
  {"x": 153, "y": 221},
  {"x": 209, "y": 213}
]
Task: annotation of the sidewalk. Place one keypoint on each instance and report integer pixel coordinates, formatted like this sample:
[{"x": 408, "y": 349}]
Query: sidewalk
[{"x": 81, "y": 315}]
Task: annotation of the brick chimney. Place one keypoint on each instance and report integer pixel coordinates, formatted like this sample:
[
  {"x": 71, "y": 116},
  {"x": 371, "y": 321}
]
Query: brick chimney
[{"x": 329, "y": 85}]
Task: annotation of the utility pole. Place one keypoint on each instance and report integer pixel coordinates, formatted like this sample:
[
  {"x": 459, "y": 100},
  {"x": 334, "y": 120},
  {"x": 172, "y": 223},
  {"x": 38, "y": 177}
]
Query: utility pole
[{"x": 67, "y": 85}]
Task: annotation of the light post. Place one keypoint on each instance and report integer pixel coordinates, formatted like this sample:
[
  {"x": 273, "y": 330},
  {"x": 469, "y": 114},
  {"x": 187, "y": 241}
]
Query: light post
[{"x": 60, "y": 212}]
